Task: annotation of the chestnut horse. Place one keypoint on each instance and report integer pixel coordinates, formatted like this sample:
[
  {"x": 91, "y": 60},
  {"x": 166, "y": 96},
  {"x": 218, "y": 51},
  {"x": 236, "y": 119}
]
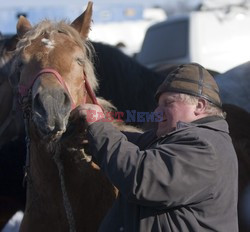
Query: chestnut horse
[{"x": 65, "y": 191}]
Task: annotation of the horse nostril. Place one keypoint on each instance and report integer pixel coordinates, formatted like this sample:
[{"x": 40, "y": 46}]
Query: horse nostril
[
  {"x": 38, "y": 105},
  {"x": 67, "y": 101}
]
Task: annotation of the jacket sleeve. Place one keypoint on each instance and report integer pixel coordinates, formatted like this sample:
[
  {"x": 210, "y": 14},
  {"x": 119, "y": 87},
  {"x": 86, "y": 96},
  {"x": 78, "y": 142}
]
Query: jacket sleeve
[
  {"x": 140, "y": 139},
  {"x": 164, "y": 176},
  {"x": 132, "y": 137}
]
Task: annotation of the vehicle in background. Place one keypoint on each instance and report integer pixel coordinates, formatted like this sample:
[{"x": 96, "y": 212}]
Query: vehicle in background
[
  {"x": 218, "y": 39},
  {"x": 126, "y": 30}
]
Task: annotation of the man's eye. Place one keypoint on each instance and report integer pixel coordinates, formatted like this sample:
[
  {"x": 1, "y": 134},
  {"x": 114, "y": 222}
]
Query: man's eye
[{"x": 167, "y": 103}]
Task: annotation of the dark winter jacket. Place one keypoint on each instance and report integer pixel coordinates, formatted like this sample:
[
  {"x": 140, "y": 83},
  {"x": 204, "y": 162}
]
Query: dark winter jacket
[{"x": 184, "y": 181}]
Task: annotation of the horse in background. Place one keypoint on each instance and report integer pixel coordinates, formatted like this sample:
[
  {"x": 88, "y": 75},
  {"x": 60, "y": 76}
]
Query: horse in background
[
  {"x": 12, "y": 139},
  {"x": 235, "y": 85},
  {"x": 239, "y": 123},
  {"x": 125, "y": 82},
  {"x": 10, "y": 118}
]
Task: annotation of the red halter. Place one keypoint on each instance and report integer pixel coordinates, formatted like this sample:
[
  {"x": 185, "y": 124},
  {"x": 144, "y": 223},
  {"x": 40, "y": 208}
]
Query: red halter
[{"x": 24, "y": 89}]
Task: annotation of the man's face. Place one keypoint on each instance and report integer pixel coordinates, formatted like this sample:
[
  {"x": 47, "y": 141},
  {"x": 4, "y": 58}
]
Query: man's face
[{"x": 173, "y": 110}]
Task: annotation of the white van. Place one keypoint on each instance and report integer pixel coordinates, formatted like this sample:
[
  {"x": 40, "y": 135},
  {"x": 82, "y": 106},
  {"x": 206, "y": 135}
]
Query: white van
[{"x": 217, "y": 39}]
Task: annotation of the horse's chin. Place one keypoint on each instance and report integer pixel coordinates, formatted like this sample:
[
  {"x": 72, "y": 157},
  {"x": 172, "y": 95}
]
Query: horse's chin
[
  {"x": 54, "y": 136},
  {"x": 46, "y": 132},
  {"x": 49, "y": 136}
]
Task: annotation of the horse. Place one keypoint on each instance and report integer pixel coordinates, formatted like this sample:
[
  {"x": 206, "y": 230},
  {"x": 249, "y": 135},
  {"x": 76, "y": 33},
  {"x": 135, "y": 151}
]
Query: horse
[
  {"x": 239, "y": 123},
  {"x": 53, "y": 68},
  {"x": 10, "y": 118},
  {"x": 12, "y": 140},
  {"x": 234, "y": 86},
  {"x": 12, "y": 191}
]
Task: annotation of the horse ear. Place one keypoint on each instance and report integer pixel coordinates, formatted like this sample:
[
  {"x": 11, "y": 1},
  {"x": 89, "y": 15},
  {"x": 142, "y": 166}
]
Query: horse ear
[
  {"x": 23, "y": 25},
  {"x": 83, "y": 22}
]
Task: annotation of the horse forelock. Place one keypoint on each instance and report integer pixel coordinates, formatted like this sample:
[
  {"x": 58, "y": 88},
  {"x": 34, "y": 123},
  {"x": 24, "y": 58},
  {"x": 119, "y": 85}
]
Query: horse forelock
[{"x": 48, "y": 27}]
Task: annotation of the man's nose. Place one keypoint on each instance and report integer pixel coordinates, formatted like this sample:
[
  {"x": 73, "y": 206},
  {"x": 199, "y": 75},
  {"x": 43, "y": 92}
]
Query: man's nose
[{"x": 159, "y": 109}]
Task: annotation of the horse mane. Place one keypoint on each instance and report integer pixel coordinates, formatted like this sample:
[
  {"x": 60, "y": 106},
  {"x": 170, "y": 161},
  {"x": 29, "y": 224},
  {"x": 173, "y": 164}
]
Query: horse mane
[{"x": 50, "y": 27}]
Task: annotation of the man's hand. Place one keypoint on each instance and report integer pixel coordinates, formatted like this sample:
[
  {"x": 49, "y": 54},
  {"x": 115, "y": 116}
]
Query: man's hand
[{"x": 90, "y": 113}]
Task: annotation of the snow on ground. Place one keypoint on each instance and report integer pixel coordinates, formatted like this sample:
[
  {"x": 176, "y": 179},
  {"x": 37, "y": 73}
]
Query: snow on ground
[{"x": 14, "y": 223}]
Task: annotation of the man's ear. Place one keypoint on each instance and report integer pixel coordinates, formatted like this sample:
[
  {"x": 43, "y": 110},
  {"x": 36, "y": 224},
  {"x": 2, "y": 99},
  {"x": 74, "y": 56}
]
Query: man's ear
[{"x": 200, "y": 106}]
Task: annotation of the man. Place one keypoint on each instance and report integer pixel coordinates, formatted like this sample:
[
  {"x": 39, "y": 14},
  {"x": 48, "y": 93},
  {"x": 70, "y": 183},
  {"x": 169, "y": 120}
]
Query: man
[{"x": 181, "y": 177}]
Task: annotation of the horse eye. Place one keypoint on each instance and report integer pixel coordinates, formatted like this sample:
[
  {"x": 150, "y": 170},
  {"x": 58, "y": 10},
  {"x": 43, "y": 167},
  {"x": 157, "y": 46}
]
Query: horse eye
[
  {"x": 80, "y": 61},
  {"x": 20, "y": 65}
]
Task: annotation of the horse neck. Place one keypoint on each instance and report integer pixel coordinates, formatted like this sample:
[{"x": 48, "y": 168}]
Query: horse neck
[
  {"x": 82, "y": 179},
  {"x": 44, "y": 198},
  {"x": 43, "y": 171}
]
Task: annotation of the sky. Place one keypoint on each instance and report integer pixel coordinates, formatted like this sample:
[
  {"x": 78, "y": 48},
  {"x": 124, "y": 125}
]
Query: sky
[
  {"x": 165, "y": 3},
  {"x": 69, "y": 9},
  {"x": 84, "y": 2}
]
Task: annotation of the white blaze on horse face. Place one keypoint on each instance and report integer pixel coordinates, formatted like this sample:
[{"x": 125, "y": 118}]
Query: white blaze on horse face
[{"x": 48, "y": 43}]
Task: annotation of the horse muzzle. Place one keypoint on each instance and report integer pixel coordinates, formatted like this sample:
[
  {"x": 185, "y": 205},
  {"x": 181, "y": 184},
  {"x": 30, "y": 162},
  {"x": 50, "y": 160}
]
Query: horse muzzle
[{"x": 50, "y": 111}]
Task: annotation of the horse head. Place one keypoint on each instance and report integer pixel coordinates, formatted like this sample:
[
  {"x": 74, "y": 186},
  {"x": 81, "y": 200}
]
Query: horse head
[{"x": 55, "y": 72}]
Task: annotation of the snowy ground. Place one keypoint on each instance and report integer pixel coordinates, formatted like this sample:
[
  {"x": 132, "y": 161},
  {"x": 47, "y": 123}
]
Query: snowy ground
[{"x": 14, "y": 223}]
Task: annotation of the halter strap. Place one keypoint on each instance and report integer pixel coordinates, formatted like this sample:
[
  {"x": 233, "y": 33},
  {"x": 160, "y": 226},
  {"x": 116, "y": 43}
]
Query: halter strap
[
  {"x": 24, "y": 89},
  {"x": 89, "y": 90}
]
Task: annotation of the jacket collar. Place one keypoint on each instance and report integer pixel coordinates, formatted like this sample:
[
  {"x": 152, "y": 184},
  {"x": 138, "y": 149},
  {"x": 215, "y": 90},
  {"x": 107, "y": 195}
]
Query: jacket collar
[
  {"x": 211, "y": 122},
  {"x": 218, "y": 124}
]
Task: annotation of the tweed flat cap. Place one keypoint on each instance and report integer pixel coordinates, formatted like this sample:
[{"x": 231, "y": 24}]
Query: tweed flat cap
[{"x": 192, "y": 79}]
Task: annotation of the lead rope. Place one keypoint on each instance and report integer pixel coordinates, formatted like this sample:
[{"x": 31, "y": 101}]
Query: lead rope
[
  {"x": 66, "y": 202},
  {"x": 26, "y": 109}
]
